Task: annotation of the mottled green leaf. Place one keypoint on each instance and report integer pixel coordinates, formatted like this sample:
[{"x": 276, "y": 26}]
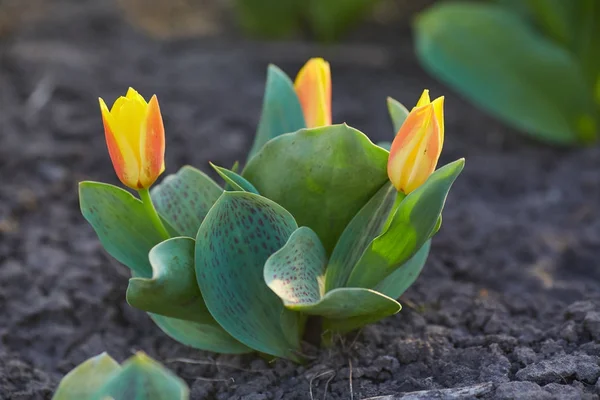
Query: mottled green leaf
[
  {"x": 398, "y": 113},
  {"x": 323, "y": 176},
  {"x": 357, "y": 236},
  {"x": 184, "y": 198},
  {"x": 233, "y": 243},
  {"x": 121, "y": 224},
  {"x": 281, "y": 112},
  {"x": 396, "y": 283},
  {"x": 411, "y": 226},
  {"x": 499, "y": 62},
  {"x": 172, "y": 290},
  {"x": 87, "y": 378},
  {"x": 142, "y": 378},
  {"x": 295, "y": 272},
  {"x": 235, "y": 181},
  {"x": 207, "y": 336}
]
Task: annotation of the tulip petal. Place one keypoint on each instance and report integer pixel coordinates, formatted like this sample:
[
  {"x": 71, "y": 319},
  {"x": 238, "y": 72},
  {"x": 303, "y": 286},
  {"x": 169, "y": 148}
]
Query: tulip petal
[
  {"x": 313, "y": 86},
  {"x": 121, "y": 154},
  {"x": 415, "y": 150},
  {"x": 424, "y": 99},
  {"x": 152, "y": 144},
  {"x": 438, "y": 106}
]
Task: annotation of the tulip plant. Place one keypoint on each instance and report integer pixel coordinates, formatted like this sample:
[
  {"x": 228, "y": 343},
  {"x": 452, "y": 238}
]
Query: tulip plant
[{"x": 320, "y": 225}]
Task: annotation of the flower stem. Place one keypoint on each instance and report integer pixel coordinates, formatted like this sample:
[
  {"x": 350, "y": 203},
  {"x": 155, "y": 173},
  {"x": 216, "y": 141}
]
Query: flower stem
[{"x": 151, "y": 211}]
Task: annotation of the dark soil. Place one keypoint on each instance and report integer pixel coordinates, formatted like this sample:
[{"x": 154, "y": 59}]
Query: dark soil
[{"x": 509, "y": 298}]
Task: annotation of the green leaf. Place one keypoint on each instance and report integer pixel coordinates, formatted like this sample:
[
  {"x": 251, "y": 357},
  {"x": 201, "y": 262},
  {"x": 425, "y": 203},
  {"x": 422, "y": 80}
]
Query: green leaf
[
  {"x": 184, "y": 198},
  {"x": 295, "y": 274},
  {"x": 330, "y": 19},
  {"x": 296, "y": 271},
  {"x": 281, "y": 112},
  {"x": 172, "y": 290},
  {"x": 269, "y": 18},
  {"x": 403, "y": 277},
  {"x": 237, "y": 236},
  {"x": 398, "y": 113},
  {"x": 235, "y": 181},
  {"x": 500, "y": 63},
  {"x": 142, "y": 378},
  {"x": 323, "y": 176},
  {"x": 372, "y": 307},
  {"x": 87, "y": 378},
  {"x": 208, "y": 336},
  {"x": 357, "y": 236},
  {"x": 412, "y": 224},
  {"x": 121, "y": 224}
]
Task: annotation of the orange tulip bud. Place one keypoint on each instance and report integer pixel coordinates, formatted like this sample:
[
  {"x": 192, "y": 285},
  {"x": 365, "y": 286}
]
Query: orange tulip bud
[
  {"x": 135, "y": 137},
  {"x": 313, "y": 86},
  {"x": 416, "y": 149}
]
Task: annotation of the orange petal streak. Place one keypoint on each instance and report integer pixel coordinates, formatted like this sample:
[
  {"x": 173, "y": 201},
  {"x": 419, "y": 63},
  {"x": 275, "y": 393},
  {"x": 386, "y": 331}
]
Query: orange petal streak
[{"x": 152, "y": 144}]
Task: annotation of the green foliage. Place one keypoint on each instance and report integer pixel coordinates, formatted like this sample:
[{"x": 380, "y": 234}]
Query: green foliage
[
  {"x": 183, "y": 199},
  {"x": 139, "y": 378},
  {"x": 323, "y": 176},
  {"x": 234, "y": 181},
  {"x": 532, "y": 63},
  {"x": 281, "y": 112},
  {"x": 325, "y": 19},
  {"x": 411, "y": 223},
  {"x": 311, "y": 227},
  {"x": 233, "y": 243}
]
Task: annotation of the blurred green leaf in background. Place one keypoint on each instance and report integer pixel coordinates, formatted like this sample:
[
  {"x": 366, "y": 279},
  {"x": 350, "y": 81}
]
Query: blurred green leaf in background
[
  {"x": 532, "y": 63},
  {"x": 325, "y": 20}
]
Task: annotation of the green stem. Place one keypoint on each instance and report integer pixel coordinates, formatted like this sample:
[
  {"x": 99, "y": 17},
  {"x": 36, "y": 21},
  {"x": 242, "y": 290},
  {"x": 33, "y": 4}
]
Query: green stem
[{"x": 151, "y": 211}]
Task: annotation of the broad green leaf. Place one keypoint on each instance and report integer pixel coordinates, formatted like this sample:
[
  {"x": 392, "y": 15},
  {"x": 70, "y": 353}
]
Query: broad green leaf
[
  {"x": 121, "y": 224},
  {"x": 503, "y": 65},
  {"x": 404, "y": 276},
  {"x": 172, "y": 290},
  {"x": 87, "y": 378},
  {"x": 235, "y": 181},
  {"x": 398, "y": 113},
  {"x": 357, "y": 236},
  {"x": 349, "y": 303},
  {"x": 411, "y": 226},
  {"x": 373, "y": 306},
  {"x": 295, "y": 272},
  {"x": 281, "y": 112},
  {"x": 233, "y": 243},
  {"x": 208, "y": 336},
  {"x": 184, "y": 198},
  {"x": 142, "y": 378},
  {"x": 323, "y": 176}
]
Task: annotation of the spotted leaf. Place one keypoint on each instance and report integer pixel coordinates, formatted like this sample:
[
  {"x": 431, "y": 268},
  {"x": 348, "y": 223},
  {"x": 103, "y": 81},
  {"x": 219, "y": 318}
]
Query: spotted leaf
[{"x": 235, "y": 240}]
